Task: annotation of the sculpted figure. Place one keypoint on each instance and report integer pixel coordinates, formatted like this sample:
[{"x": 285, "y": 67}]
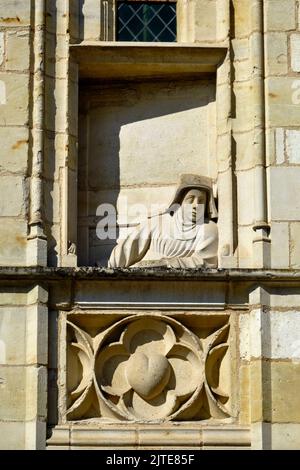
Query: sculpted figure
[{"x": 183, "y": 236}]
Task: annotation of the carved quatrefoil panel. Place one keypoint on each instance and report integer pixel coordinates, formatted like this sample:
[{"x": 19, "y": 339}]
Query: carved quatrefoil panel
[{"x": 146, "y": 368}]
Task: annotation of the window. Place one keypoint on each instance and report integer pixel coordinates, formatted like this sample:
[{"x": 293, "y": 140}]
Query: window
[{"x": 153, "y": 21}]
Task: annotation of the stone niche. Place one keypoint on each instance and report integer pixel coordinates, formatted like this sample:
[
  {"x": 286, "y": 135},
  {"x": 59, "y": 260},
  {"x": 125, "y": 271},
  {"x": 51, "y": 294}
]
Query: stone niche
[{"x": 146, "y": 116}]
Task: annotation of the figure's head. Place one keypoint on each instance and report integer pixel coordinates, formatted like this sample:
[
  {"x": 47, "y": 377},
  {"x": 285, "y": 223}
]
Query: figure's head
[
  {"x": 198, "y": 191},
  {"x": 194, "y": 203}
]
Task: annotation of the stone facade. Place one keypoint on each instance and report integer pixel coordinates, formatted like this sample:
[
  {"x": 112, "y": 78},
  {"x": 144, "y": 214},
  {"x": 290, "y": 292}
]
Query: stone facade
[{"x": 87, "y": 120}]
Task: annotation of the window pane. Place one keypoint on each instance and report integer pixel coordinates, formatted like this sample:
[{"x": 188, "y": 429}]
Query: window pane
[{"x": 146, "y": 21}]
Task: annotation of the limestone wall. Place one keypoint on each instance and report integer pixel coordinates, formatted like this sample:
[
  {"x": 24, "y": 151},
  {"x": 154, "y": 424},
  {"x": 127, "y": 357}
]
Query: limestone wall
[{"x": 15, "y": 116}]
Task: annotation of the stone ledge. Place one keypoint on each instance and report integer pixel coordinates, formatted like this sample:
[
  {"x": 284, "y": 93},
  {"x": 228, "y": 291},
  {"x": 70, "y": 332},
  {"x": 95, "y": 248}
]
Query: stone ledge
[
  {"x": 179, "y": 435},
  {"x": 135, "y": 60},
  {"x": 86, "y": 273}
]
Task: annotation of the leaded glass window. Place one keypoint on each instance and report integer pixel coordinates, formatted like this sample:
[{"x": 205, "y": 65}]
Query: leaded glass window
[{"x": 153, "y": 21}]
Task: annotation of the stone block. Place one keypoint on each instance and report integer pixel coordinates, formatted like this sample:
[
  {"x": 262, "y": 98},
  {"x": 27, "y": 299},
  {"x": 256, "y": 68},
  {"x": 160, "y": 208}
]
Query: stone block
[
  {"x": 13, "y": 295},
  {"x": 52, "y": 201},
  {"x": 2, "y": 50},
  {"x": 281, "y": 94},
  {"x": 14, "y": 99},
  {"x": 274, "y": 391},
  {"x": 18, "y": 52},
  {"x": 270, "y": 147},
  {"x": 280, "y": 146},
  {"x": 13, "y": 387},
  {"x": 240, "y": 49},
  {"x": 256, "y": 391},
  {"x": 15, "y": 13},
  {"x": 243, "y": 70},
  {"x": 91, "y": 17},
  {"x": 285, "y": 436},
  {"x": 245, "y": 188},
  {"x": 14, "y": 149},
  {"x": 245, "y": 247},
  {"x": 284, "y": 204},
  {"x": 245, "y": 159},
  {"x": 281, "y": 389},
  {"x": 13, "y": 240},
  {"x": 295, "y": 245},
  {"x": 205, "y": 28},
  {"x": 244, "y": 395},
  {"x": 243, "y": 120},
  {"x": 280, "y": 15},
  {"x": 293, "y": 146},
  {"x": 280, "y": 250},
  {"x": 12, "y": 435},
  {"x": 273, "y": 335},
  {"x": 244, "y": 325},
  {"x": 37, "y": 334},
  {"x": 56, "y": 17},
  {"x": 36, "y": 253},
  {"x": 37, "y": 295},
  {"x": 13, "y": 335},
  {"x": 276, "y": 54},
  {"x": 295, "y": 52},
  {"x": 285, "y": 298},
  {"x": 56, "y": 92},
  {"x": 242, "y": 17},
  {"x": 35, "y": 435},
  {"x": 12, "y": 196}
]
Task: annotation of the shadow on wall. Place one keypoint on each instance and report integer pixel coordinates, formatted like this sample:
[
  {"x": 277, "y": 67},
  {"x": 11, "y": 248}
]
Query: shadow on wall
[{"x": 138, "y": 136}]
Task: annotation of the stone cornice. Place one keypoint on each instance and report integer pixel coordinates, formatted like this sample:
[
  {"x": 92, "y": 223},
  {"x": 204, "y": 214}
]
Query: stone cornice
[{"x": 90, "y": 273}]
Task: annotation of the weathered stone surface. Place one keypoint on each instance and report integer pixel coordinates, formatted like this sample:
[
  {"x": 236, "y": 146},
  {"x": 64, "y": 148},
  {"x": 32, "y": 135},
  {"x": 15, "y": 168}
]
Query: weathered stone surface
[
  {"x": 244, "y": 326},
  {"x": 242, "y": 10},
  {"x": 13, "y": 188},
  {"x": 282, "y": 101},
  {"x": 295, "y": 52},
  {"x": 1, "y": 48},
  {"x": 13, "y": 335},
  {"x": 12, "y": 435},
  {"x": 18, "y": 52},
  {"x": 205, "y": 30},
  {"x": 280, "y": 146},
  {"x": 281, "y": 15},
  {"x": 280, "y": 248},
  {"x": 14, "y": 99},
  {"x": 295, "y": 246},
  {"x": 12, "y": 14},
  {"x": 13, "y": 393},
  {"x": 23, "y": 392},
  {"x": 293, "y": 146},
  {"x": 285, "y": 205},
  {"x": 13, "y": 237},
  {"x": 276, "y": 54},
  {"x": 245, "y": 180},
  {"x": 285, "y": 436},
  {"x": 281, "y": 387},
  {"x": 14, "y": 149},
  {"x": 272, "y": 335}
]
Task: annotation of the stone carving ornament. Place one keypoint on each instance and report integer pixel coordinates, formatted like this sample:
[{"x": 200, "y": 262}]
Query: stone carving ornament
[
  {"x": 183, "y": 236},
  {"x": 148, "y": 368}
]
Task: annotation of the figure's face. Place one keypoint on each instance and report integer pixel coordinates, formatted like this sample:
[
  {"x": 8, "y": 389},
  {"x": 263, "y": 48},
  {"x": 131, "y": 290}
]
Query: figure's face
[{"x": 195, "y": 202}]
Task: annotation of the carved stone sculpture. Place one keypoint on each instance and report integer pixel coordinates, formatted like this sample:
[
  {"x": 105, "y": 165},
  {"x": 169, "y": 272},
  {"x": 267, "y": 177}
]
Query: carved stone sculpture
[
  {"x": 146, "y": 368},
  {"x": 183, "y": 236}
]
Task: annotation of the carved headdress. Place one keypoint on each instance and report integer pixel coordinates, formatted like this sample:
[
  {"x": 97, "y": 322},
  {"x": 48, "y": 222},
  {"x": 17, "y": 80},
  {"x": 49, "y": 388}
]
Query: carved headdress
[{"x": 188, "y": 182}]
